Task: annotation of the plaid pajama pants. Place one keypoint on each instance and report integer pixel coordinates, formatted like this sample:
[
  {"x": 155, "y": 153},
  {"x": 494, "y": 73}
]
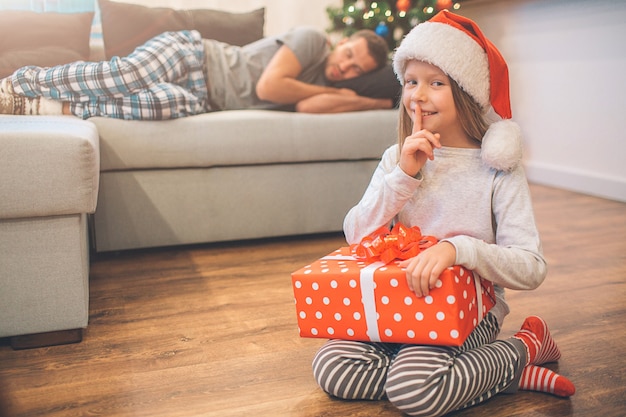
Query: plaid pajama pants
[
  {"x": 420, "y": 380},
  {"x": 162, "y": 79}
]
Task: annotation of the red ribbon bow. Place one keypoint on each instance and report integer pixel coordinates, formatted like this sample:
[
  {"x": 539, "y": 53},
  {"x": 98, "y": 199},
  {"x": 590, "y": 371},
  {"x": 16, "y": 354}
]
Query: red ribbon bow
[{"x": 385, "y": 246}]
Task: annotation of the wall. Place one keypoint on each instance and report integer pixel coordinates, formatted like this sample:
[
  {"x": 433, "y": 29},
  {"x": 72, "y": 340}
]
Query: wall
[{"x": 567, "y": 61}]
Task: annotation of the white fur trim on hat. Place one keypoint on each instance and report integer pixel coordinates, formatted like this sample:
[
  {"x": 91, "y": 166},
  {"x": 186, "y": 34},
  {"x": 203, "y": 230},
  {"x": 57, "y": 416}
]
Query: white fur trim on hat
[
  {"x": 453, "y": 51},
  {"x": 502, "y": 145}
]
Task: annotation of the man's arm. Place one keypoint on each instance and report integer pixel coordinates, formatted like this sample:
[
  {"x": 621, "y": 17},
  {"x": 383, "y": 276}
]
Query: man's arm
[
  {"x": 278, "y": 82},
  {"x": 338, "y": 103}
]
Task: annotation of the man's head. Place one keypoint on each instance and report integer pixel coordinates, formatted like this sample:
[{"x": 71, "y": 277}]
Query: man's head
[{"x": 363, "y": 52}]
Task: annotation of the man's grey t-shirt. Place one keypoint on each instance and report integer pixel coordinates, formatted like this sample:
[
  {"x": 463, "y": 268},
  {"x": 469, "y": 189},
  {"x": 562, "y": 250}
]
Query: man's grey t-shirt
[{"x": 232, "y": 72}]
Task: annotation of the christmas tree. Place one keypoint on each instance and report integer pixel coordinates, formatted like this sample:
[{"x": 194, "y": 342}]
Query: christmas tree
[{"x": 390, "y": 19}]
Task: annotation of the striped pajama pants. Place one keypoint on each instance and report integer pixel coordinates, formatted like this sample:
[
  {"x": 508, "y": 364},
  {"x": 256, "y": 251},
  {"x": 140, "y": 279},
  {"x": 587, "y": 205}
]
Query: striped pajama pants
[
  {"x": 420, "y": 380},
  {"x": 162, "y": 79}
]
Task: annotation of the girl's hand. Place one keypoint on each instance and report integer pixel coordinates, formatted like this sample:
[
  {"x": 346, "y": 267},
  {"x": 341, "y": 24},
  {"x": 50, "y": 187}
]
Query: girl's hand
[
  {"x": 418, "y": 147},
  {"x": 423, "y": 270}
]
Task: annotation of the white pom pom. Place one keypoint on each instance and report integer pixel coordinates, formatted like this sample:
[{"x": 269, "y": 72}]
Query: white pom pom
[{"x": 502, "y": 145}]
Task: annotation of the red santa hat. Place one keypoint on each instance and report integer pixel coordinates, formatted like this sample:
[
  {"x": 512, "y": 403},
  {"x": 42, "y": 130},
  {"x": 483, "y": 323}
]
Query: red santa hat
[{"x": 457, "y": 46}]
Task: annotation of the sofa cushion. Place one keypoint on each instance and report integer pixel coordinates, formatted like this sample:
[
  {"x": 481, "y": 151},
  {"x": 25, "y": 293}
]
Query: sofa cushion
[
  {"x": 126, "y": 26},
  {"x": 49, "y": 166},
  {"x": 244, "y": 137},
  {"x": 42, "y": 39}
]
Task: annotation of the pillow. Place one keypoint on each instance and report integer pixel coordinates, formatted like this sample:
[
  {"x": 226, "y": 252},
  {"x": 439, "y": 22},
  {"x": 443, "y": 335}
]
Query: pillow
[
  {"x": 126, "y": 26},
  {"x": 42, "y": 39},
  {"x": 381, "y": 83}
]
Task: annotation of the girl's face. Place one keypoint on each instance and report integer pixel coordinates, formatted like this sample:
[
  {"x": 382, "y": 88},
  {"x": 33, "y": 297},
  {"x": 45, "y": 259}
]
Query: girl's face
[{"x": 427, "y": 89}]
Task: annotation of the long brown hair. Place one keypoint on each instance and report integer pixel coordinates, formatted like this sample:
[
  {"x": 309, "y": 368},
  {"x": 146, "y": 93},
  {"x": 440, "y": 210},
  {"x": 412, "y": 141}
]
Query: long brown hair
[{"x": 471, "y": 116}]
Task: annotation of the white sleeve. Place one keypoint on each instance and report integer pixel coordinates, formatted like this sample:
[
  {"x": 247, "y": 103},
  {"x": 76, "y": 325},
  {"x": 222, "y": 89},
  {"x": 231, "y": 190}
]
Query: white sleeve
[
  {"x": 386, "y": 194},
  {"x": 516, "y": 259}
]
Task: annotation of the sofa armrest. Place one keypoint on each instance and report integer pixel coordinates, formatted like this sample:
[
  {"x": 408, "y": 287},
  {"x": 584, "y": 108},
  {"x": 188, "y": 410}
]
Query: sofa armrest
[{"x": 49, "y": 165}]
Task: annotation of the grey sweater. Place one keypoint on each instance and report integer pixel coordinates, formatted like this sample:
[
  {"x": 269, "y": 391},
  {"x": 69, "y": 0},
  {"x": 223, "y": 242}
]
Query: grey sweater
[{"x": 485, "y": 213}]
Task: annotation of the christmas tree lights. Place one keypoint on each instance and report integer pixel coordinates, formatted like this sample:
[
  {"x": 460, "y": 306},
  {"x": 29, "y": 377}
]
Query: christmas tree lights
[{"x": 389, "y": 19}]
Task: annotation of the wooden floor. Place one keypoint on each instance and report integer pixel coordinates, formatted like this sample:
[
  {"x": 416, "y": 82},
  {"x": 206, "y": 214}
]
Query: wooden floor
[{"x": 211, "y": 330}]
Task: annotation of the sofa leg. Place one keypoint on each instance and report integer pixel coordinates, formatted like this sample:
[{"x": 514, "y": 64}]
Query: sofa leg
[{"x": 62, "y": 337}]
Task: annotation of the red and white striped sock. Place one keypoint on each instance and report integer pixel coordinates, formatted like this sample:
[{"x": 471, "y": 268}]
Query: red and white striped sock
[
  {"x": 536, "y": 378},
  {"x": 540, "y": 347}
]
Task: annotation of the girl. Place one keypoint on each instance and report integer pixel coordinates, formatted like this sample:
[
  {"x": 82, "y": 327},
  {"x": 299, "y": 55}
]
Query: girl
[{"x": 458, "y": 178}]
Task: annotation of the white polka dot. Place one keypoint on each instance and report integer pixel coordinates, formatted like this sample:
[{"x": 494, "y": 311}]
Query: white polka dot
[
  {"x": 408, "y": 300},
  {"x": 302, "y": 315},
  {"x": 325, "y": 270},
  {"x": 384, "y": 300},
  {"x": 451, "y": 299},
  {"x": 315, "y": 286},
  {"x": 410, "y": 334},
  {"x": 308, "y": 300},
  {"x": 393, "y": 282},
  {"x": 428, "y": 299},
  {"x": 326, "y": 300},
  {"x": 433, "y": 335},
  {"x": 469, "y": 279},
  {"x": 307, "y": 272},
  {"x": 346, "y": 301},
  {"x": 441, "y": 316},
  {"x": 419, "y": 316},
  {"x": 474, "y": 322},
  {"x": 298, "y": 284},
  {"x": 384, "y": 268},
  {"x": 357, "y": 315},
  {"x": 465, "y": 294},
  {"x": 338, "y": 316},
  {"x": 461, "y": 271},
  {"x": 352, "y": 283},
  {"x": 454, "y": 334},
  {"x": 314, "y": 331},
  {"x": 330, "y": 330},
  {"x": 461, "y": 314},
  {"x": 456, "y": 279},
  {"x": 318, "y": 315},
  {"x": 397, "y": 317},
  {"x": 388, "y": 333},
  {"x": 438, "y": 284},
  {"x": 333, "y": 284},
  {"x": 350, "y": 332}
]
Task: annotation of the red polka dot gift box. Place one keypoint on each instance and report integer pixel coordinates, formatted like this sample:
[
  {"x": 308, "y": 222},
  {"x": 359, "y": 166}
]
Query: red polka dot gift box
[{"x": 354, "y": 297}]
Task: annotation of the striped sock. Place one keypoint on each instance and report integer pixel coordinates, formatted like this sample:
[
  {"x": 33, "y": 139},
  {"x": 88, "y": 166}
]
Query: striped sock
[
  {"x": 536, "y": 378},
  {"x": 540, "y": 347}
]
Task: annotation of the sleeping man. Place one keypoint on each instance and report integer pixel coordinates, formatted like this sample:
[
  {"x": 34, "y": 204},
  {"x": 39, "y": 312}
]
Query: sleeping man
[{"x": 178, "y": 74}]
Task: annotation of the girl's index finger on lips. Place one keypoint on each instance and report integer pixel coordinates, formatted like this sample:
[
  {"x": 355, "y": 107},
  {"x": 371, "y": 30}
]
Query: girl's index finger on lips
[{"x": 417, "y": 120}]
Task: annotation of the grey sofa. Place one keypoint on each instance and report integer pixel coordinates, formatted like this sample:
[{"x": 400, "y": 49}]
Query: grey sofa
[
  {"x": 233, "y": 175},
  {"x": 220, "y": 176}
]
